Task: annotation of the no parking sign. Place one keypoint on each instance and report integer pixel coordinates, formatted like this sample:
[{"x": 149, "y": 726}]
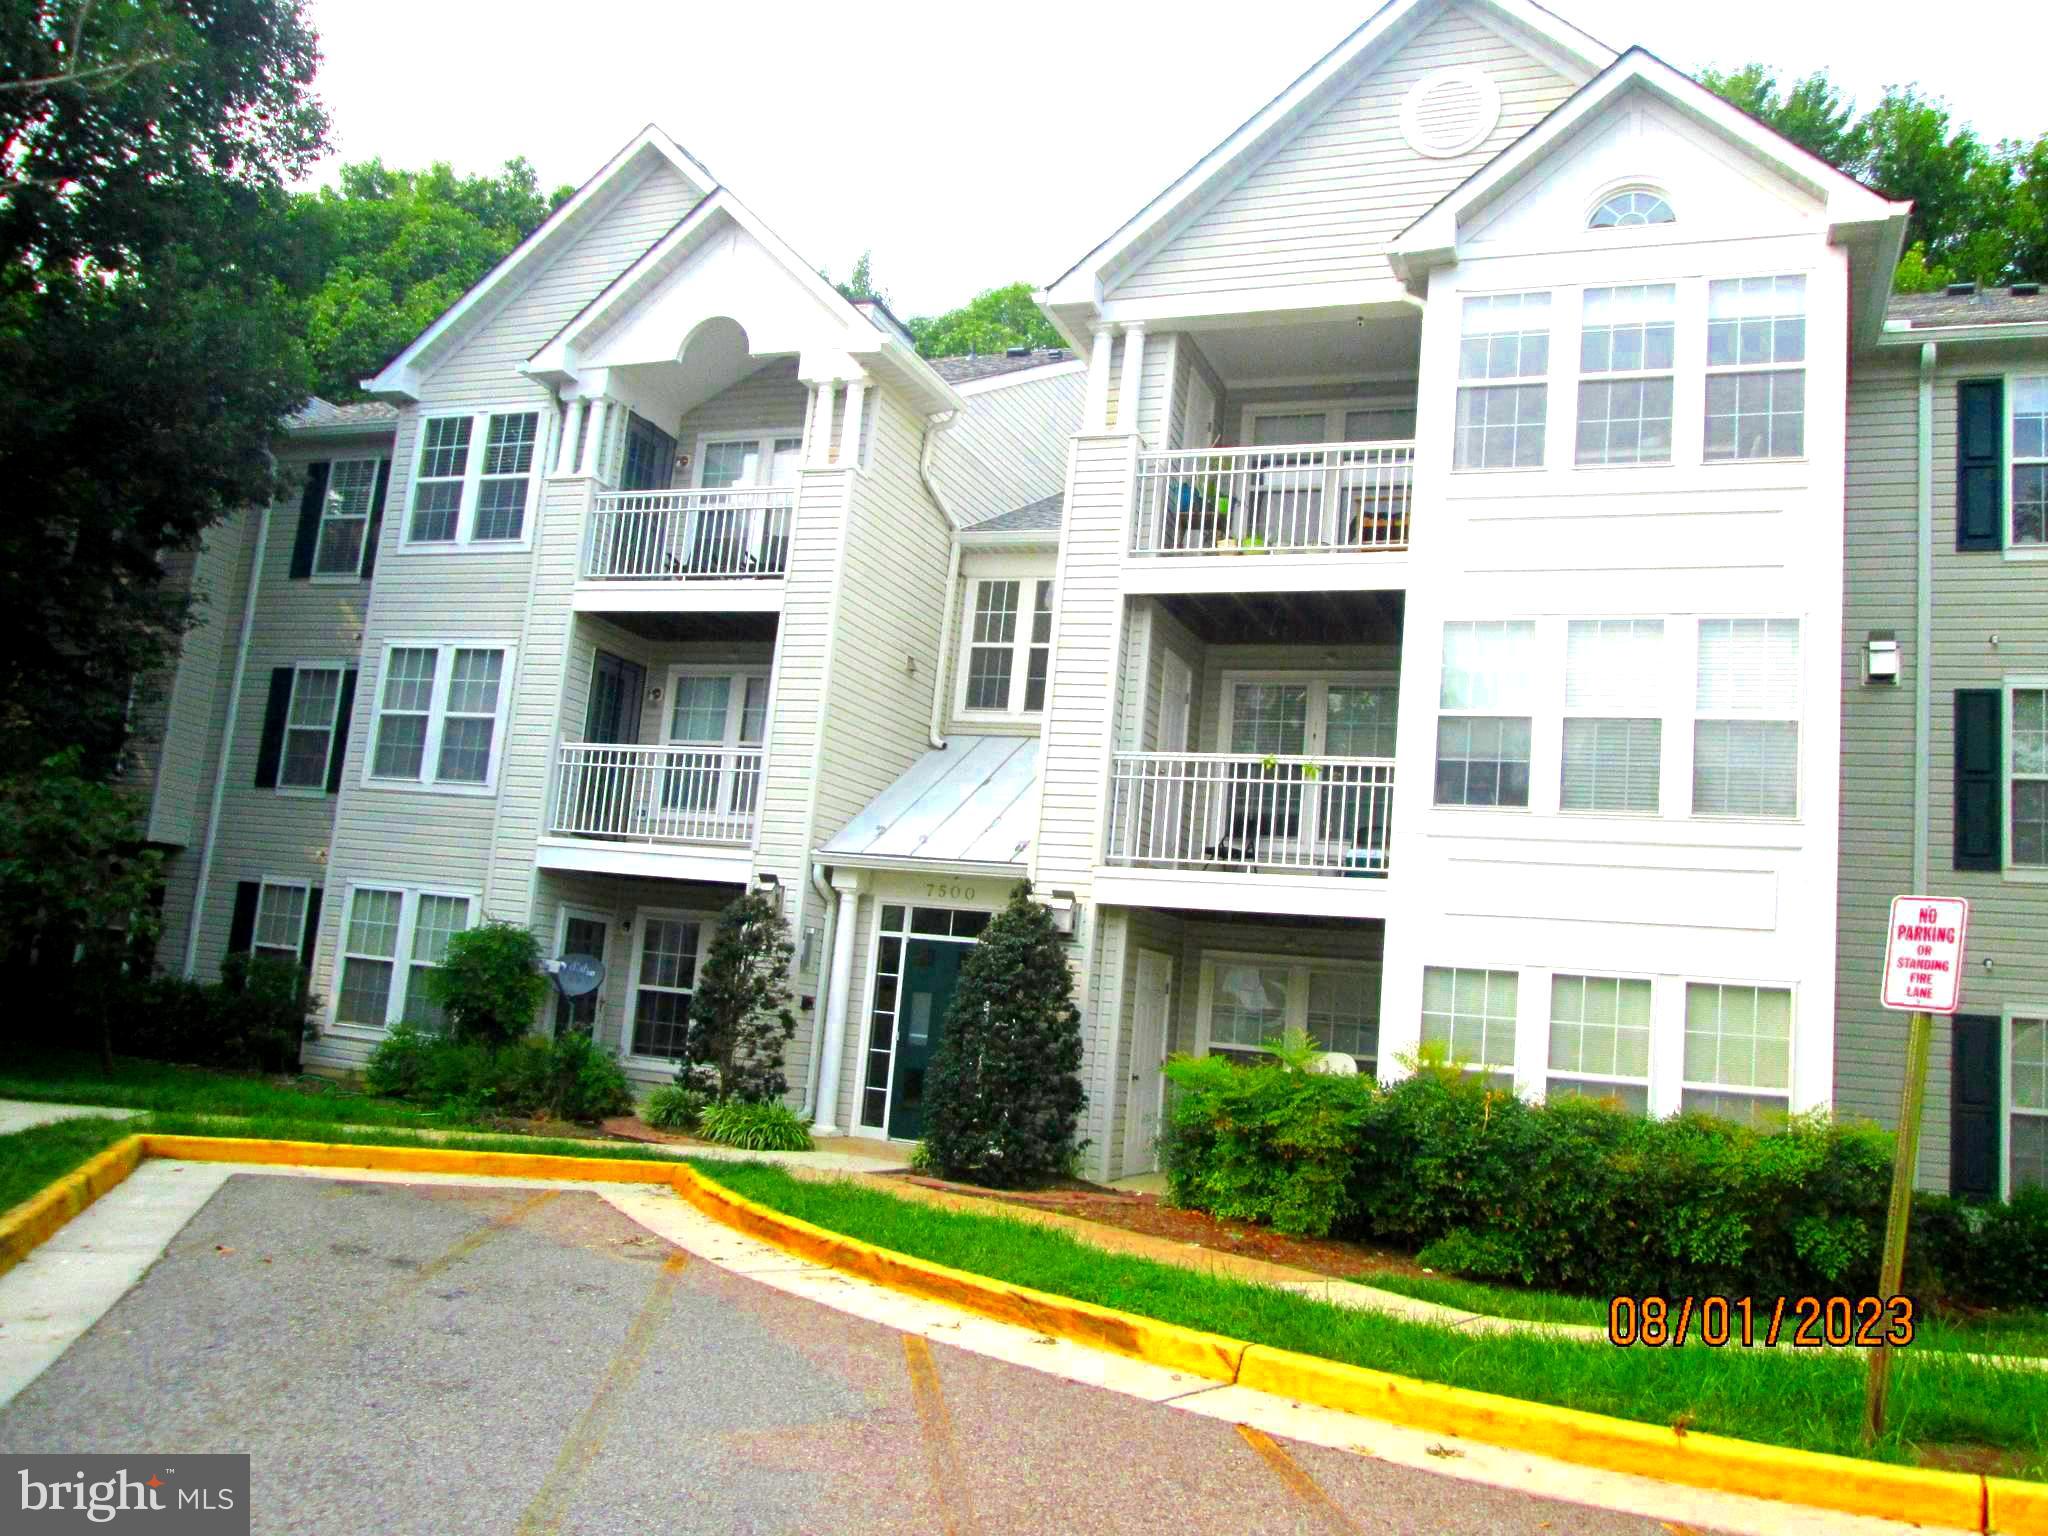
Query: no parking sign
[{"x": 1923, "y": 953}]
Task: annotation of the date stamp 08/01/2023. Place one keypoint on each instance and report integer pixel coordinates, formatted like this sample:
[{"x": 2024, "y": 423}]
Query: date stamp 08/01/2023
[{"x": 1804, "y": 1322}]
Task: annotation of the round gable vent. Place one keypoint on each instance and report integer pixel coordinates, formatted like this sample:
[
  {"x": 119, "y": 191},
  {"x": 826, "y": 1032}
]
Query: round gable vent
[{"x": 1450, "y": 112}]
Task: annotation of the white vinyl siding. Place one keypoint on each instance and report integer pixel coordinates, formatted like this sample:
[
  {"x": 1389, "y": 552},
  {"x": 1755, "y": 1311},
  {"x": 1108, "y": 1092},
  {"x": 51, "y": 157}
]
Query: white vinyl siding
[
  {"x": 2026, "y": 1132},
  {"x": 1738, "y": 1050},
  {"x": 1503, "y": 399},
  {"x": 1627, "y": 347},
  {"x": 2027, "y": 439},
  {"x": 390, "y": 937},
  {"x": 440, "y": 717},
  {"x": 1613, "y": 731},
  {"x": 1756, "y": 405},
  {"x": 1746, "y": 734},
  {"x": 1600, "y": 1039},
  {"x": 474, "y": 480},
  {"x": 309, "y": 728},
  {"x": 1470, "y": 1014},
  {"x": 1483, "y": 727},
  {"x": 280, "y": 920},
  {"x": 345, "y": 517}
]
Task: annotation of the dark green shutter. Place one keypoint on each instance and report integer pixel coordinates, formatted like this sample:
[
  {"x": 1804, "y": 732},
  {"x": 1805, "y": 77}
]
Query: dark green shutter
[
  {"x": 242, "y": 927},
  {"x": 1980, "y": 794},
  {"x": 1973, "y": 1105},
  {"x": 1980, "y": 464},
  {"x": 312, "y": 937},
  {"x": 270, "y": 751},
  {"x": 376, "y": 529},
  {"x": 338, "y": 750},
  {"x": 310, "y": 503}
]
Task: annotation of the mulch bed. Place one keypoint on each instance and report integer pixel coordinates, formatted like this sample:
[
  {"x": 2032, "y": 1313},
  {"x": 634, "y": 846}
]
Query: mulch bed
[{"x": 1150, "y": 1215}]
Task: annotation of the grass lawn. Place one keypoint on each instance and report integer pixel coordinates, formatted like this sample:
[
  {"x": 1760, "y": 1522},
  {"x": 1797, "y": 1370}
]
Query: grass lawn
[
  {"x": 32, "y": 1158},
  {"x": 75, "y": 1078},
  {"x": 1814, "y": 1403}
]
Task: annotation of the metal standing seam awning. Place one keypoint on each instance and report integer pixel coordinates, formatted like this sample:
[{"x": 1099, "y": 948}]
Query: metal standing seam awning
[{"x": 970, "y": 808}]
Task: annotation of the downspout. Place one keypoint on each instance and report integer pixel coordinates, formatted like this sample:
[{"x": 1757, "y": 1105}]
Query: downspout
[
  {"x": 227, "y": 741},
  {"x": 1923, "y": 621},
  {"x": 932, "y": 429},
  {"x": 821, "y": 994}
]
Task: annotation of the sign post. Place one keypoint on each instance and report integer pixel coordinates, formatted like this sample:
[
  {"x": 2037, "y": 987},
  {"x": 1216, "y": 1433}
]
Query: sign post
[{"x": 1923, "y": 971}]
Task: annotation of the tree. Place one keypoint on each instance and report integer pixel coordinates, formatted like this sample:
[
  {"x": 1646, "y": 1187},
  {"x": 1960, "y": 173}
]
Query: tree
[
  {"x": 992, "y": 321},
  {"x": 1003, "y": 1090},
  {"x": 390, "y": 250},
  {"x": 860, "y": 282},
  {"x": 146, "y": 327},
  {"x": 489, "y": 982},
  {"x": 740, "y": 1015}
]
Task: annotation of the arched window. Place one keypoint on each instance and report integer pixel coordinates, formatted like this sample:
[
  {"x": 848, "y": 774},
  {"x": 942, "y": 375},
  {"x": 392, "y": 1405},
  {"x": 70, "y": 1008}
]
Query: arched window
[{"x": 1625, "y": 210}]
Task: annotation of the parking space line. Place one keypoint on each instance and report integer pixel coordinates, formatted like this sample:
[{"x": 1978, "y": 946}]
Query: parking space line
[
  {"x": 543, "y": 1516},
  {"x": 1305, "y": 1489},
  {"x": 949, "y": 1483}
]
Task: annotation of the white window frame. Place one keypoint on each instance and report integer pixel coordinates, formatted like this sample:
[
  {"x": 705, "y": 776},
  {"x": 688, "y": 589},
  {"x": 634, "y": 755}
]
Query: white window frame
[
  {"x": 706, "y": 922},
  {"x": 1021, "y": 643},
  {"x": 437, "y": 717},
  {"x": 1511, "y": 1068},
  {"x": 564, "y": 915},
  {"x": 1333, "y": 413},
  {"x": 1654, "y": 702},
  {"x": 465, "y": 541},
  {"x": 1509, "y": 381},
  {"x": 2019, "y": 874},
  {"x": 1711, "y": 370},
  {"x": 270, "y": 883},
  {"x": 1797, "y": 719},
  {"x": 1628, "y": 189},
  {"x": 2007, "y": 1109},
  {"x": 1792, "y": 1042},
  {"x": 334, "y": 723},
  {"x": 763, "y": 439},
  {"x": 1530, "y": 705},
  {"x": 2010, "y": 461},
  {"x": 1643, "y": 374},
  {"x": 1652, "y": 1062},
  {"x": 1299, "y": 969},
  {"x": 328, "y": 515},
  {"x": 401, "y": 956}
]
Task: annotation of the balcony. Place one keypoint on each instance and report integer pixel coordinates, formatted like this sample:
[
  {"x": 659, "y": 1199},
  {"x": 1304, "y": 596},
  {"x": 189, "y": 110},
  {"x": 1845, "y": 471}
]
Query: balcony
[
  {"x": 679, "y": 811},
  {"x": 687, "y": 550},
  {"x": 1293, "y": 508}
]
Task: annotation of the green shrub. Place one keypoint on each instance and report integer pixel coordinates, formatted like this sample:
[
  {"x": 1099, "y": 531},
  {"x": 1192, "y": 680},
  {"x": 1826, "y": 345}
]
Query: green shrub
[
  {"x": 672, "y": 1107},
  {"x": 567, "y": 1078},
  {"x": 1981, "y": 1255},
  {"x": 252, "y": 1020},
  {"x": 489, "y": 983},
  {"x": 756, "y": 1127},
  {"x": 741, "y": 1018}
]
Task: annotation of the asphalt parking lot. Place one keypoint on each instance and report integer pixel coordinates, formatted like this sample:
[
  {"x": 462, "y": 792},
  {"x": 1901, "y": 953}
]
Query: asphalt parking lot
[{"x": 442, "y": 1359}]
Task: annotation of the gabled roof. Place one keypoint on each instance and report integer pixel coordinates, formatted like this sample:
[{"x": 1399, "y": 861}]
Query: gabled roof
[
  {"x": 1041, "y": 516},
  {"x": 1980, "y": 306},
  {"x": 319, "y": 416},
  {"x": 1857, "y": 217},
  {"x": 972, "y": 805},
  {"x": 974, "y": 368},
  {"x": 400, "y": 378},
  {"x": 1380, "y": 34}
]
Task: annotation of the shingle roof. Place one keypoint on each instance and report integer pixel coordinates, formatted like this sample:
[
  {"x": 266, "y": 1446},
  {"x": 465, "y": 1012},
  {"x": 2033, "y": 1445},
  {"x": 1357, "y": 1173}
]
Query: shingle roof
[
  {"x": 1987, "y": 306},
  {"x": 324, "y": 415},
  {"x": 965, "y": 370},
  {"x": 971, "y": 803},
  {"x": 1042, "y": 516}
]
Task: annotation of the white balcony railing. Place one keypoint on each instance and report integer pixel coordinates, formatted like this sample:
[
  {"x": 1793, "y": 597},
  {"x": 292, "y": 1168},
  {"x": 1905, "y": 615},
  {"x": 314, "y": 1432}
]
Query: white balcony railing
[
  {"x": 674, "y": 794},
  {"x": 689, "y": 535},
  {"x": 1323, "y": 498},
  {"x": 1223, "y": 811}
]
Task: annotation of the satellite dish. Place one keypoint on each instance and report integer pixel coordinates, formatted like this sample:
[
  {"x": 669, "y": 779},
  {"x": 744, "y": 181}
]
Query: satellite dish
[{"x": 578, "y": 975}]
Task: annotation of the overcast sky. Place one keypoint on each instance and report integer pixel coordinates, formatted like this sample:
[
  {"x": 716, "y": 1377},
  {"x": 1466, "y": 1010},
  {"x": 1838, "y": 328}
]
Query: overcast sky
[{"x": 972, "y": 145}]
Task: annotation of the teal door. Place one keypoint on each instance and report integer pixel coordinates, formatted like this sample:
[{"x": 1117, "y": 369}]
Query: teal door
[{"x": 931, "y": 972}]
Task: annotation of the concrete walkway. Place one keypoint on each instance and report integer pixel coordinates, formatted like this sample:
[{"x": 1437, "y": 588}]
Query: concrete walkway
[{"x": 24, "y": 1115}]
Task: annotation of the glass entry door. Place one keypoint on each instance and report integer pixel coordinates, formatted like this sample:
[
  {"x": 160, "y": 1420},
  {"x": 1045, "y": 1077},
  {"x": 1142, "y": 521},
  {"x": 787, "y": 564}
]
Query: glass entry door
[
  {"x": 1280, "y": 811},
  {"x": 722, "y": 717},
  {"x": 738, "y": 534}
]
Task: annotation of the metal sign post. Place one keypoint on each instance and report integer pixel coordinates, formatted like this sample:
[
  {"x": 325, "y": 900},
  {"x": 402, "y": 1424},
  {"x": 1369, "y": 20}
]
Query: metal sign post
[{"x": 1923, "y": 968}]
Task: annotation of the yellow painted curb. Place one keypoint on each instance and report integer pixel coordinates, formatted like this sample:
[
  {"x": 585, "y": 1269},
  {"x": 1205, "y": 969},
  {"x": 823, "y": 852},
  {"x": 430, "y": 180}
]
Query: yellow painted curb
[
  {"x": 1207, "y": 1355},
  {"x": 330, "y": 1154},
  {"x": 2015, "y": 1508},
  {"x": 1954, "y": 1499},
  {"x": 31, "y": 1223}
]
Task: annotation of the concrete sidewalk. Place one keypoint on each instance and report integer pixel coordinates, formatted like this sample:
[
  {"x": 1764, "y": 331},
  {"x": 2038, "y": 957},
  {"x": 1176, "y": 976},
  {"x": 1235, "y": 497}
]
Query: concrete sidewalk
[{"x": 25, "y": 1114}]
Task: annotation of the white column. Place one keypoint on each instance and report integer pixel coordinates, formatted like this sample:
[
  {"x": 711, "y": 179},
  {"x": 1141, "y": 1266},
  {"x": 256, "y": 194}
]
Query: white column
[
  {"x": 1133, "y": 379},
  {"x": 849, "y": 433},
  {"x": 823, "y": 394},
  {"x": 1097, "y": 418},
  {"x": 593, "y": 438},
  {"x": 832, "y": 1050},
  {"x": 571, "y": 446}
]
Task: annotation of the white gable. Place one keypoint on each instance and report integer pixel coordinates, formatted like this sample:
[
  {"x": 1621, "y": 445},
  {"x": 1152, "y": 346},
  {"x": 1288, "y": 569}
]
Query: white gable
[{"x": 1322, "y": 208}]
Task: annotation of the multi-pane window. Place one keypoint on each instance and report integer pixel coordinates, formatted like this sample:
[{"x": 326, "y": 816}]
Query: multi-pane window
[
  {"x": 1600, "y": 1039},
  {"x": 1756, "y": 404},
  {"x": 310, "y": 724},
  {"x": 1746, "y": 734},
  {"x": 1248, "y": 1006},
  {"x": 663, "y": 986},
  {"x": 390, "y": 939},
  {"x": 280, "y": 921},
  {"x": 463, "y": 494},
  {"x": 1482, "y": 737},
  {"x": 1343, "y": 1016},
  {"x": 2029, "y": 461},
  {"x": 1009, "y": 652},
  {"x": 440, "y": 715},
  {"x": 1471, "y": 1015},
  {"x": 345, "y": 517},
  {"x": 1738, "y": 1051},
  {"x": 1251, "y": 1002},
  {"x": 1613, "y": 737},
  {"x": 2029, "y": 777},
  {"x": 1626, "y": 350},
  {"x": 2026, "y": 1136},
  {"x": 1630, "y": 210},
  {"x": 1503, "y": 361}
]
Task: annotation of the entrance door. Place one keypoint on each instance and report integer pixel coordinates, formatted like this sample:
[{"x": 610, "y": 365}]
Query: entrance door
[
  {"x": 713, "y": 791},
  {"x": 582, "y": 934},
  {"x": 931, "y": 973},
  {"x": 1282, "y": 814},
  {"x": 1151, "y": 1010},
  {"x": 616, "y": 687}
]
